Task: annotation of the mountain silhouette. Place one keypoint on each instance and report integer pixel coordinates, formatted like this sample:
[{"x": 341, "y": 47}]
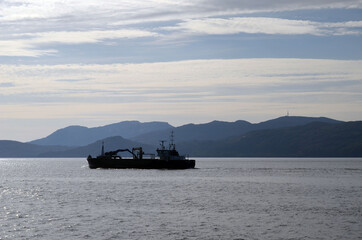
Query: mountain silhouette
[
  {"x": 316, "y": 139},
  {"x": 218, "y": 130},
  {"x": 281, "y": 137},
  {"x": 81, "y": 136},
  {"x": 94, "y": 149}
]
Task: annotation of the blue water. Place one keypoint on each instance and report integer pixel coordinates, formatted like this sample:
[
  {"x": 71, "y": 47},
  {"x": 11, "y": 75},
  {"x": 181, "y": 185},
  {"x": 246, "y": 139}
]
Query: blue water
[{"x": 246, "y": 198}]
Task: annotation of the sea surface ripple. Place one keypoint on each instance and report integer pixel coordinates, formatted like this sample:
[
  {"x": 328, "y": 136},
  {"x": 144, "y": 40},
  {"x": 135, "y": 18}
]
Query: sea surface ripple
[{"x": 239, "y": 198}]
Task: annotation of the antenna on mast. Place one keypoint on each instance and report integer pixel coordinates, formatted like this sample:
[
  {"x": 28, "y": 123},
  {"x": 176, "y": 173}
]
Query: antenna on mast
[{"x": 102, "y": 148}]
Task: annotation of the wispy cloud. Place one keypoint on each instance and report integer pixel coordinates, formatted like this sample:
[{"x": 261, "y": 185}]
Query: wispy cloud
[
  {"x": 148, "y": 10},
  {"x": 32, "y": 44},
  {"x": 255, "y": 25},
  {"x": 35, "y": 44},
  {"x": 78, "y": 37},
  {"x": 201, "y": 88},
  {"x": 74, "y": 80},
  {"x": 22, "y": 48}
]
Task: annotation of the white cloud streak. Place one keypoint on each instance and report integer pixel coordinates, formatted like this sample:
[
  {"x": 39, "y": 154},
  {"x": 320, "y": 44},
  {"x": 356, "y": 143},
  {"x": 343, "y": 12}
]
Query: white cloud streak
[
  {"x": 86, "y": 36},
  {"x": 255, "y": 25},
  {"x": 22, "y": 49},
  {"x": 29, "y": 44},
  {"x": 149, "y": 10}
]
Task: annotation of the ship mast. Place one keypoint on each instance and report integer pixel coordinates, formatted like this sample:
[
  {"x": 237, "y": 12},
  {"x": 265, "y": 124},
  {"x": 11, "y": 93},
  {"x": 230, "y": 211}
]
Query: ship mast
[
  {"x": 172, "y": 144},
  {"x": 162, "y": 143},
  {"x": 102, "y": 148}
]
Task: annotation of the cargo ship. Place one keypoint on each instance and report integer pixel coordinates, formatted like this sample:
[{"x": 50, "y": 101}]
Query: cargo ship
[{"x": 167, "y": 158}]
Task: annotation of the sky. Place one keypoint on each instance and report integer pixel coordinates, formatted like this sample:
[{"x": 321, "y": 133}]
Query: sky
[{"x": 92, "y": 62}]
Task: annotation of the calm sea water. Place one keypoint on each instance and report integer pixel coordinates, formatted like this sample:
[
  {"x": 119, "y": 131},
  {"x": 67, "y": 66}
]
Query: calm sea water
[{"x": 222, "y": 199}]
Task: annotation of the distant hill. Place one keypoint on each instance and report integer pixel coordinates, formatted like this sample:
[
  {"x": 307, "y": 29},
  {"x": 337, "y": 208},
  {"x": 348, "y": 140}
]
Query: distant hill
[
  {"x": 315, "y": 139},
  {"x": 94, "y": 149},
  {"x": 218, "y": 130},
  {"x": 208, "y": 131},
  {"x": 18, "y": 149},
  {"x": 81, "y": 136},
  {"x": 291, "y": 121},
  {"x": 13, "y": 149}
]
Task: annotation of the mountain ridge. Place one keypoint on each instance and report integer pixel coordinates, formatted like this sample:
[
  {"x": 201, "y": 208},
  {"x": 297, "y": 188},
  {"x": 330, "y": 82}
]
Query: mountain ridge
[
  {"x": 318, "y": 137},
  {"x": 217, "y": 130},
  {"x": 94, "y": 149}
]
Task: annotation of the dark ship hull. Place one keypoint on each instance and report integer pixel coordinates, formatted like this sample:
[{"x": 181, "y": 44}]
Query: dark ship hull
[
  {"x": 167, "y": 159},
  {"x": 145, "y": 163}
]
